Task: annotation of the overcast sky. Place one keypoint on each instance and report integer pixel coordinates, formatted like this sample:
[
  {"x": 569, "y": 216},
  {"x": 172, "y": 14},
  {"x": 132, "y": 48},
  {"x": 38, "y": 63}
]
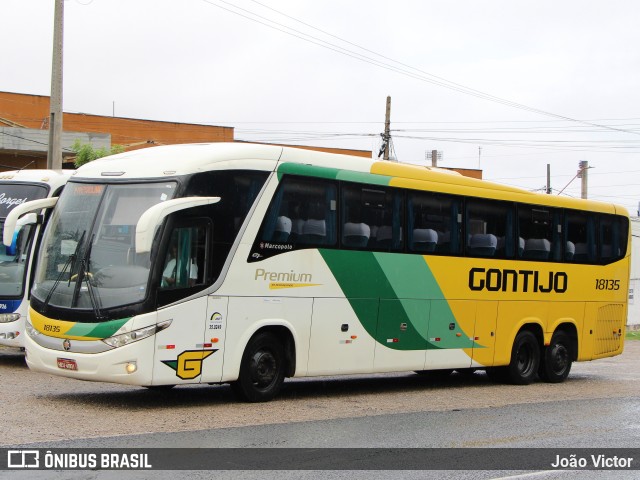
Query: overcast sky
[{"x": 530, "y": 82}]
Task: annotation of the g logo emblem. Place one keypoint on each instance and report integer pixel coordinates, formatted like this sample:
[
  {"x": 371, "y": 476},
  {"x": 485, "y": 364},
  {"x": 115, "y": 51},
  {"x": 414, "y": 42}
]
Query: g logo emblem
[{"x": 188, "y": 365}]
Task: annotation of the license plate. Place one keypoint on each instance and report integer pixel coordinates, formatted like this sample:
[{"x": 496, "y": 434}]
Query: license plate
[{"x": 67, "y": 364}]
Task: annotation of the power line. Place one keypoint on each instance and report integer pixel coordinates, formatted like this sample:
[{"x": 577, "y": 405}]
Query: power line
[
  {"x": 421, "y": 75},
  {"x": 557, "y": 176},
  {"x": 543, "y": 145}
]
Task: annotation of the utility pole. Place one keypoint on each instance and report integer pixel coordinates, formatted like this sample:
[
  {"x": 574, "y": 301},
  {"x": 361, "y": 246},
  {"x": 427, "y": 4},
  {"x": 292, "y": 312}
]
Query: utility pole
[
  {"x": 582, "y": 174},
  {"x": 387, "y": 129},
  {"x": 548, "y": 179},
  {"x": 435, "y": 156},
  {"x": 54, "y": 155}
]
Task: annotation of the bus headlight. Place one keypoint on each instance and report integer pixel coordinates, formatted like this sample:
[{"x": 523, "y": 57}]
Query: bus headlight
[
  {"x": 32, "y": 332},
  {"x": 136, "y": 335},
  {"x": 9, "y": 317}
]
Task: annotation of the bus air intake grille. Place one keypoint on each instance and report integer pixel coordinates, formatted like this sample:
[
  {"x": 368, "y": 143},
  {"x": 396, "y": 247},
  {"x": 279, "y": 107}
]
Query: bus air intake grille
[{"x": 609, "y": 323}]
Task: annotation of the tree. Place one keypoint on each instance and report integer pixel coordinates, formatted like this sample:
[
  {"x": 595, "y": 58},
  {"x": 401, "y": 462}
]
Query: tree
[{"x": 85, "y": 153}]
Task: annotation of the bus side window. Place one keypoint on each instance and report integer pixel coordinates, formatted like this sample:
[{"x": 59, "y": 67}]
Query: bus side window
[
  {"x": 185, "y": 261},
  {"x": 580, "y": 237},
  {"x": 370, "y": 217},
  {"x": 433, "y": 218},
  {"x": 489, "y": 229},
  {"x": 535, "y": 228},
  {"x": 612, "y": 239},
  {"x": 302, "y": 213}
]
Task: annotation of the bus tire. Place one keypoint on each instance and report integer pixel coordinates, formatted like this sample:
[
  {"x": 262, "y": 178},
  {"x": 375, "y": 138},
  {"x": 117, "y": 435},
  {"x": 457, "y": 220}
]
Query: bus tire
[
  {"x": 525, "y": 359},
  {"x": 556, "y": 360},
  {"x": 261, "y": 370}
]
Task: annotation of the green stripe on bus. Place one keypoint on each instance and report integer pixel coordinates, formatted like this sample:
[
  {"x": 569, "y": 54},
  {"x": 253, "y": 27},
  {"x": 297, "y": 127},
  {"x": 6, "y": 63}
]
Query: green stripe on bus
[
  {"x": 332, "y": 174},
  {"x": 406, "y": 293},
  {"x": 97, "y": 330},
  {"x": 360, "y": 177}
]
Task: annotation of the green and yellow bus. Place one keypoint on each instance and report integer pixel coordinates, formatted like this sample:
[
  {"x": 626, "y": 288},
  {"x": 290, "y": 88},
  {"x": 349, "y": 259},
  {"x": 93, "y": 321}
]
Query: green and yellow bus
[{"x": 246, "y": 264}]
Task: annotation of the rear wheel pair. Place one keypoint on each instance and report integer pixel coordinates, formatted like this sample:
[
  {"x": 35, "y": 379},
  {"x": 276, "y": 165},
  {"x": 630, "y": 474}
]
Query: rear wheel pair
[{"x": 552, "y": 365}]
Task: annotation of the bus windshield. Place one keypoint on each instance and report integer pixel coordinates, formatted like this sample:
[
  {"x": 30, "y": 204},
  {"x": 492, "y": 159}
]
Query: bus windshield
[
  {"x": 88, "y": 257},
  {"x": 12, "y": 194},
  {"x": 13, "y": 261}
]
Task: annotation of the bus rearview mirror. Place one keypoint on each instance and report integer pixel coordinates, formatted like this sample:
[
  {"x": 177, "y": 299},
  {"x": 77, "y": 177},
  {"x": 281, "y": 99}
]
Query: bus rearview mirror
[{"x": 153, "y": 217}]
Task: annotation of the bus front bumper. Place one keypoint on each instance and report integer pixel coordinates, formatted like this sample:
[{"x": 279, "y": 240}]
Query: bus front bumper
[{"x": 131, "y": 364}]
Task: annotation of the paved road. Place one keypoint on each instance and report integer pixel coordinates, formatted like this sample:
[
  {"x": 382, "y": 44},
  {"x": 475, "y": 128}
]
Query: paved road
[{"x": 598, "y": 407}]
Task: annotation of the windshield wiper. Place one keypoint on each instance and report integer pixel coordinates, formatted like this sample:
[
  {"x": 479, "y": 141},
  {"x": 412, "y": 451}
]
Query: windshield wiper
[
  {"x": 85, "y": 274},
  {"x": 71, "y": 260}
]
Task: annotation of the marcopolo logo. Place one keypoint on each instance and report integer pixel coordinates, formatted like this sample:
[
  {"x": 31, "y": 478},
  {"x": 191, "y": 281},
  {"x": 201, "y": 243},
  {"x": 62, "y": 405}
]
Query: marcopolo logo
[{"x": 494, "y": 280}]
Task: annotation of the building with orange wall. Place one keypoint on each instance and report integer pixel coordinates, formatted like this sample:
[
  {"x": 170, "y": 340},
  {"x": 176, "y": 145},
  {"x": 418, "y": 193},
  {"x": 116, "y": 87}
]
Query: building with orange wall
[
  {"x": 24, "y": 133},
  {"x": 31, "y": 112}
]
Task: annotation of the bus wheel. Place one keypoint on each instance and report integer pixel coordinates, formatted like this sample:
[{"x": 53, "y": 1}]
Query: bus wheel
[
  {"x": 525, "y": 359},
  {"x": 556, "y": 360},
  {"x": 261, "y": 370}
]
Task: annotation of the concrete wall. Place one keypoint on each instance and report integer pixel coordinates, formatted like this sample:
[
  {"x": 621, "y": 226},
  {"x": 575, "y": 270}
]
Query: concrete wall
[{"x": 27, "y": 147}]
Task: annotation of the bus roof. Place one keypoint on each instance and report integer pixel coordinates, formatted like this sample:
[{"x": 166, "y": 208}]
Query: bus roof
[
  {"x": 52, "y": 178},
  {"x": 183, "y": 159}
]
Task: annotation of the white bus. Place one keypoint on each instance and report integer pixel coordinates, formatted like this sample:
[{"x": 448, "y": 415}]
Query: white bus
[
  {"x": 17, "y": 259},
  {"x": 248, "y": 263}
]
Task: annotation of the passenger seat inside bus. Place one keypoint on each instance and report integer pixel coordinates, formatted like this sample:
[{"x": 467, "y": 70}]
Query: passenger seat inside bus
[
  {"x": 537, "y": 248},
  {"x": 282, "y": 230},
  {"x": 314, "y": 231},
  {"x": 384, "y": 238},
  {"x": 569, "y": 251},
  {"x": 424, "y": 240},
  {"x": 355, "y": 235},
  {"x": 482, "y": 245},
  {"x": 297, "y": 226}
]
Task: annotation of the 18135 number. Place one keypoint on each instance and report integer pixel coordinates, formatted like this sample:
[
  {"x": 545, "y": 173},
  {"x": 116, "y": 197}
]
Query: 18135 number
[{"x": 607, "y": 284}]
